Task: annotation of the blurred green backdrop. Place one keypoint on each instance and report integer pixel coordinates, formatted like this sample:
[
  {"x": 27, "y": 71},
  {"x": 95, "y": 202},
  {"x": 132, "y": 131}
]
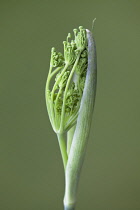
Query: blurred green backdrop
[{"x": 31, "y": 169}]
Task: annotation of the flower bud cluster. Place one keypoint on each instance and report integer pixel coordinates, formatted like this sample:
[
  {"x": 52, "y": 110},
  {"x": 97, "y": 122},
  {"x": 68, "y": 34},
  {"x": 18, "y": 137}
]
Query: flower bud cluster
[
  {"x": 80, "y": 38},
  {"x": 57, "y": 58},
  {"x": 70, "y": 72}
]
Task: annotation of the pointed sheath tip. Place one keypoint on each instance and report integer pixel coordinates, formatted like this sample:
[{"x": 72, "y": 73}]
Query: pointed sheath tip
[{"x": 93, "y": 23}]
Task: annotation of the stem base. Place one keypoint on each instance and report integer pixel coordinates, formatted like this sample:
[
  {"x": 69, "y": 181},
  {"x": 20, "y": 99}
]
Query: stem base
[{"x": 69, "y": 208}]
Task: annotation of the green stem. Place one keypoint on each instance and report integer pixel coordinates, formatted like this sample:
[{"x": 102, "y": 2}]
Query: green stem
[
  {"x": 53, "y": 91},
  {"x": 70, "y": 134},
  {"x": 62, "y": 144},
  {"x": 48, "y": 80},
  {"x": 57, "y": 81},
  {"x": 65, "y": 93},
  {"x": 55, "y": 71}
]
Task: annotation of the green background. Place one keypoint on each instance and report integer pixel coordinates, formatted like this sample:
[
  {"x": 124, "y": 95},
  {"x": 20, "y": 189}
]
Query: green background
[{"x": 31, "y": 168}]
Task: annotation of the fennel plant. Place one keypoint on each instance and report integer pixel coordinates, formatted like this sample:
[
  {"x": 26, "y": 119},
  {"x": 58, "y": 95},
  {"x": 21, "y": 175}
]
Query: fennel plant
[{"x": 70, "y": 97}]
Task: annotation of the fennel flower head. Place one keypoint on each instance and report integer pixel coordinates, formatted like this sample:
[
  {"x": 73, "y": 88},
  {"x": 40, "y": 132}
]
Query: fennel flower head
[
  {"x": 69, "y": 73},
  {"x": 70, "y": 97}
]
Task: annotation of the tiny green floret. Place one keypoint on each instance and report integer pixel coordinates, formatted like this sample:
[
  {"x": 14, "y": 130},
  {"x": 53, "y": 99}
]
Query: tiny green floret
[{"x": 68, "y": 73}]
